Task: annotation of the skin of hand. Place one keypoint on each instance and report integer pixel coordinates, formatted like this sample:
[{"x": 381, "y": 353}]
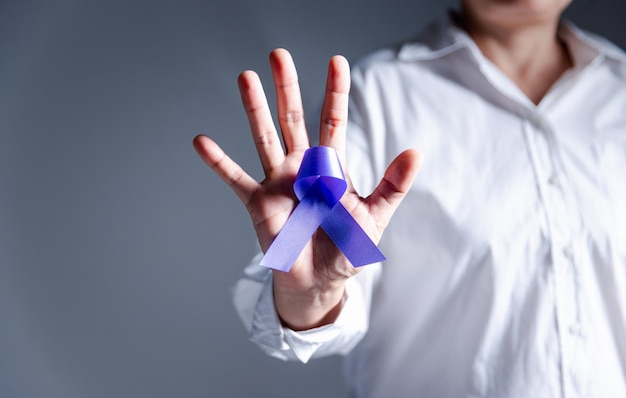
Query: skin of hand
[{"x": 310, "y": 294}]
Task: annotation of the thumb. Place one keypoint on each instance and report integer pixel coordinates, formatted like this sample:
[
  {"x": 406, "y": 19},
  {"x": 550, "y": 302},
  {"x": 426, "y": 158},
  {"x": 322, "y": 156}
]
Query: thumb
[{"x": 394, "y": 186}]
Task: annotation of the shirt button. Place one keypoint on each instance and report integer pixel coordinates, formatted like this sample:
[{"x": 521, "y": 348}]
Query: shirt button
[
  {"x": 567, "y": 252},
  {"x": 554, "y": 180},
  {"x": 576, "y": 330},
  {"x": 538, "y": 120}
]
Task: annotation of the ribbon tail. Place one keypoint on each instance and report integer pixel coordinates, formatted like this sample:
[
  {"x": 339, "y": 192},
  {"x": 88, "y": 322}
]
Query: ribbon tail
[
  {"x": 297, "y": 231},
  {"x": 350, "y": 238}
]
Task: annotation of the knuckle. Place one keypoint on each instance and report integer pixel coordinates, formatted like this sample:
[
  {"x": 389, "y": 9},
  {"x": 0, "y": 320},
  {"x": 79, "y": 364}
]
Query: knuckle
[
  {"x": 264, "y": 140},
  {"x": 234, "y": 176},
  {"x": 293, "y": 117},
  {"x": 334, "y": 118},
  {"x": 333, "y": 122}
]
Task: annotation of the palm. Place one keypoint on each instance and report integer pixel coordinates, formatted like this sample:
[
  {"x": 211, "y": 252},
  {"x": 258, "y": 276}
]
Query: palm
[
  {"x": 271, "y": 205},
  {"x": 320, "y": 265}
]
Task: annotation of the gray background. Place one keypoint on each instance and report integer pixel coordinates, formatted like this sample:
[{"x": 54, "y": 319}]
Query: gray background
[{"x": 118, "y": 247}]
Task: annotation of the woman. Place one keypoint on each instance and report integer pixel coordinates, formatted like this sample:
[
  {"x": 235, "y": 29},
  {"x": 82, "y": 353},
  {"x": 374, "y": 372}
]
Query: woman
[{"x": 506, "y": 270}]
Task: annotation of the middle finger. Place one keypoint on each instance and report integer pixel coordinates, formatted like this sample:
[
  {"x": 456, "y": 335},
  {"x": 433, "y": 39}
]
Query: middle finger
[{"x": 290, "y": 110}]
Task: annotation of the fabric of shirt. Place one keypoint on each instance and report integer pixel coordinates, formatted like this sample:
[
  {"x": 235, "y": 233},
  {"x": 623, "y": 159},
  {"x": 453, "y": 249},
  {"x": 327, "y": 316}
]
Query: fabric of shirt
[{"x": 506, "y": 269}]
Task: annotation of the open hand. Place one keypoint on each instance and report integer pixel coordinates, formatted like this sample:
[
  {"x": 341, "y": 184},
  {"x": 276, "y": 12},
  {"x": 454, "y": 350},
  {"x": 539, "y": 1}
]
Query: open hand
[{"x": 310, "y": 293}]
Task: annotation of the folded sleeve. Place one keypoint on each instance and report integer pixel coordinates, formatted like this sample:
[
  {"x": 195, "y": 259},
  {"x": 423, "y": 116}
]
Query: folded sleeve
[{"x": 254, "y": 301}]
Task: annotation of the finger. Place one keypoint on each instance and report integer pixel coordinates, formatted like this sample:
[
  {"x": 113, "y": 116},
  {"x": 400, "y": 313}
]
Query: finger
[
  {"x": 264, "y": 133},
  {"x": 334, "y": 116},
  {"x": 289, "y": 101},
  {"x": 233, "y": 175},
  {"x": 394, "y": 186}
]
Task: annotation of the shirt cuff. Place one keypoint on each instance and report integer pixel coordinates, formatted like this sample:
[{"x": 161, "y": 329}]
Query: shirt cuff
[{"x": 336, "y": 338}]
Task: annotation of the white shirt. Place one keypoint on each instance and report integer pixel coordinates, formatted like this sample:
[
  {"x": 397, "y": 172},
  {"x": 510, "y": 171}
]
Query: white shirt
[{"x": 506, "y": 270}]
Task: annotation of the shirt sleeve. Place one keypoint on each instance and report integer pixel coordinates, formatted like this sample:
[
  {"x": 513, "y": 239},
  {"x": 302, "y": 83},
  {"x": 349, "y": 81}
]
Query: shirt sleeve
[{"x": 254, "y": 303}]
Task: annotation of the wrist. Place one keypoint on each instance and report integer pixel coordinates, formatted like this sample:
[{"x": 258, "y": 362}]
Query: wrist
[{"x": 309, "y": 308}]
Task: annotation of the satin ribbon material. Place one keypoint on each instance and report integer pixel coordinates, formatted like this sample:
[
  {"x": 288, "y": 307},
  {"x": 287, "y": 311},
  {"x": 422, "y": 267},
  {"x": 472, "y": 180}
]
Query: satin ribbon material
[{"x": 319, "y": 185}]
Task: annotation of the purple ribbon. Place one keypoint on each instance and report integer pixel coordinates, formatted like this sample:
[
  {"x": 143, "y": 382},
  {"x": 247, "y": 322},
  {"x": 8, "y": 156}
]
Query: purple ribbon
[{"x": 319, "y": 185}]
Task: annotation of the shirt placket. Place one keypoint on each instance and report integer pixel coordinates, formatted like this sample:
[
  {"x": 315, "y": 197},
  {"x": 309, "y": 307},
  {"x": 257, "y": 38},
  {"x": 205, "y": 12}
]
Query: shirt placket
[{"x": 565, "y": 238}]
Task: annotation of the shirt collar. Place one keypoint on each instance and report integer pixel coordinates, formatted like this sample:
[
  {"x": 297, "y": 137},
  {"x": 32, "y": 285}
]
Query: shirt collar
[
  {"x": 586, "y": 48},
  {"x": 439, "y": 39},
  {"x": 444, "y": 37}
]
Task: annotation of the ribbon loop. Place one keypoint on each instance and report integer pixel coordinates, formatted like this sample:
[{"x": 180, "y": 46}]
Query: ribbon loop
[
  {"x": 319, "y": 185},
  {"x": 321, "y": 162}
]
